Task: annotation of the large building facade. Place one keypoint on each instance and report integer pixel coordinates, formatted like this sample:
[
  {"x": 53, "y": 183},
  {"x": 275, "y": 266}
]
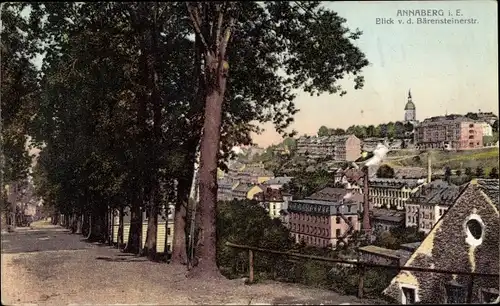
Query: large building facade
[
  {"x": 324, "y": 219},
  {"x": 340, "y": 148},
  {"x": 449, "y": 132},
  {"x": 425, "y": 207},
  {"x": 392, "y": 193}
]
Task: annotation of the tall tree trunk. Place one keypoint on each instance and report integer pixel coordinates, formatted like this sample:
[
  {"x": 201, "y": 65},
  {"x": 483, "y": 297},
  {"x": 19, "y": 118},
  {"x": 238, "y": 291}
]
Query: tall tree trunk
[
  {"x": 152, "y": 233},
  {"x": 135, "y": 235},
  {"x": 79, "y": 224},
  {"x": 179, "y": 251},
  {"x": 120, "y": 227},
  {"x": 209, "y": 149}
]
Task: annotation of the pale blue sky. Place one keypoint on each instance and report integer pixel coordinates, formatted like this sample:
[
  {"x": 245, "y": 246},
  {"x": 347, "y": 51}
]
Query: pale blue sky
[{"x": 449, "y": 67}]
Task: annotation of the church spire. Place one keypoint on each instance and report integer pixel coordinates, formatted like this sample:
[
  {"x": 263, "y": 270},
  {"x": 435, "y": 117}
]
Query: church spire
[{"x": 409, "y": 94}]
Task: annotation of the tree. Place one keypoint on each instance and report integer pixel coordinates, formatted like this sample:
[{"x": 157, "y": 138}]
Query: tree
[
  {"x": 323, "y": 131},
  {"x": 458, "y": 172},
  {"x": 493, "y": 173},
  {"x": 495, "y": 126},
  {"x": 473, "y": 116},
  {"x": 479, "y": 171},
  {"x": 303, "y": 26},
  {"x": 338, "y": 132},
  {"x": 385, "y": 171},
  {"x": 447, "y": 173},
  {"x": 18, "y": 91},
  {"x": 468, "y": 171}
]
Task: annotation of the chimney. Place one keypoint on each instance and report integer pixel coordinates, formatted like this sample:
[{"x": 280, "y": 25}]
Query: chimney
[
  {"x": 429, "y": 168},
  {"x": 366, "y": 201}
]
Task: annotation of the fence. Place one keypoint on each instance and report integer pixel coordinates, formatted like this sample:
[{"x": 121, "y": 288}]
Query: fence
[{"x": 361, "y": 266}]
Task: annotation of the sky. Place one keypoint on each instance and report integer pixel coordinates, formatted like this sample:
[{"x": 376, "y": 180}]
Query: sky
[{"x": 450, "y": 68}]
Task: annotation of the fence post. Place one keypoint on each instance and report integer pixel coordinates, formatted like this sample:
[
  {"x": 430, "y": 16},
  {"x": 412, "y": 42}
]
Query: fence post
[
  {"x": 250, "y": 266},
  {"x": 361, "y": 281},
  {"x": 470, "y": 289}
]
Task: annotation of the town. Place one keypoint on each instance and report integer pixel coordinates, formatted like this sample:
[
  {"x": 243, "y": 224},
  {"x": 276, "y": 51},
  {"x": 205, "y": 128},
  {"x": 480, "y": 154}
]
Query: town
[{"x": 248, "y": 153}]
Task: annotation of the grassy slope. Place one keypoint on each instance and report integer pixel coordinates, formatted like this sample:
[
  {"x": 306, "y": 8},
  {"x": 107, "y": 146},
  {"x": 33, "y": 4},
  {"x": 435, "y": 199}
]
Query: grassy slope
[{"x": 486, "y": 158}]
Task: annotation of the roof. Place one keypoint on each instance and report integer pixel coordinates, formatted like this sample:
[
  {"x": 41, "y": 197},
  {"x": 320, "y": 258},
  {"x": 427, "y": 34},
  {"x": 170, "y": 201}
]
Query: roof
[
  {"x": 437, "y": 192},
  {"x": 385, "y": 252},
  {"x": 450, "y": 245},
  {"x": 243, "y": 187},
  {"x": 387, "y": 215},
  {"x": 280, "y": 180},
  {"x": 394, "y": 183},
  {"x": 329, "y": 194},
  {"x": 410, "y": 105},
  {"x": 490, "y": 187}
]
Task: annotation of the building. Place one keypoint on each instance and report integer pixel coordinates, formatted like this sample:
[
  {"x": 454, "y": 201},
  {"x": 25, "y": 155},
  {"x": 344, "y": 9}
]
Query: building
[
  {"x": 275, "y": 203},
  {"x": 425, "y": 207},
  {"x": 165, "y": 233},
  {"x": 339, "y": 148},
  {"x": 325, "y": 218},
  {"x": 465, "y": 239},
  {"x": 410, "y": 110},
  {"x": 225, "y": 189},
  {"x": 487, "y": 129},
  {"x": 382, "y": 256},
  {"x": 392, "y": 193},
  {"x": 240, "y": 191},
  {"x": 386, "y": 219},
  {"x": 449, "y": 132},
  {"x": 278, "y": 182}
]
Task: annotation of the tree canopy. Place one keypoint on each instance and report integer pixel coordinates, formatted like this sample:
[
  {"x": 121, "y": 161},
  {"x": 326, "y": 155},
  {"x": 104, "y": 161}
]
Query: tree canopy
[{"x": 128, "y": 93}]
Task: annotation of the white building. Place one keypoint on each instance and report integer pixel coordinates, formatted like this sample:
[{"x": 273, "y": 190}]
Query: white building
[{"x": 487, "y": 129}]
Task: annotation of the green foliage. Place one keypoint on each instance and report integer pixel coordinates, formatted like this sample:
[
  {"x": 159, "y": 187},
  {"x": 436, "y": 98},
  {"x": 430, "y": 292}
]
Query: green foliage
[
  {"x": 246, "y": 223},
  {"x": 479, "y": 171},
  {"x": 305, "y": 183},
  {"x": 18, "y": 93},
  {"x": 385, "y": 171},
  {"x": 393, "y": 238},
  {"x": 493, "y": 173}
]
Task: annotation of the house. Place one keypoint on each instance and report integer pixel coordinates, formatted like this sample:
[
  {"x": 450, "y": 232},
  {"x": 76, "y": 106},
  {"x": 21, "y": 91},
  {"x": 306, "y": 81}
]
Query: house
[
  {"x": 275, "y": 203},
  {"x": 240, "y": 190},
  {"x": 165, "y": 230},
  {"x": 340, "y": 148},
  {"x": 392, "y": 193},
  {"x": 382, "y": 256},
  {"x": 426, "y": 206},
  {"x": 278, "y": 182},
  {"x": 449, "y": 132},
  {"x": 324, "y": 218},
  {"x": 465, "y": 239},
  {"x": 386, "y": 219}
]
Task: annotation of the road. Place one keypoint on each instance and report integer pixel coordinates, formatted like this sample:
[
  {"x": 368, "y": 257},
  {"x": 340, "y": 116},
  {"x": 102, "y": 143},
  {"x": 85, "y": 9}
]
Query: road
[{"x": 49, "y": 266}]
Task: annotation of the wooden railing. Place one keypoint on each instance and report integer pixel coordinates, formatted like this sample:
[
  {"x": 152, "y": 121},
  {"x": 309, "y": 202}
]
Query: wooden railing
[{"x": 359, "y": 264}]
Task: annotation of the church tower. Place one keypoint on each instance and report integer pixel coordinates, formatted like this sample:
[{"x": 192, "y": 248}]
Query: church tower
[{"x": 410, "y": 115}]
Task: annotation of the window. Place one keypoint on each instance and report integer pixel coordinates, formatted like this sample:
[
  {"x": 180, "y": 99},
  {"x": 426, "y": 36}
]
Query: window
[
  {"x": 348, "y": 208},
  {"x": 409, "y": 296},
  {"x": 337, "y": 232},
  {"x": 349, "y": 219},
  {"x": 474, "y": 229},
  {"x": 338, "y": 220},
  {"x": 455, "y": 293},
  {"x": 168, "y": 231}
]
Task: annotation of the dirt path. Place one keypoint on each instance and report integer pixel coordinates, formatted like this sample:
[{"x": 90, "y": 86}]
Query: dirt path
[{"x": 102, "y": 275}]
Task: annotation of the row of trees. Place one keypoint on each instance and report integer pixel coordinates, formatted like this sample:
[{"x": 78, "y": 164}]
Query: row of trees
[
  {"x": 390, "y": 130},
  {"x": 128, "y": 93}
]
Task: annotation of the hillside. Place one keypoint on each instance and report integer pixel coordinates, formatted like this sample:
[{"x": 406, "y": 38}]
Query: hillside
[{"x": 486, "y": 158}]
